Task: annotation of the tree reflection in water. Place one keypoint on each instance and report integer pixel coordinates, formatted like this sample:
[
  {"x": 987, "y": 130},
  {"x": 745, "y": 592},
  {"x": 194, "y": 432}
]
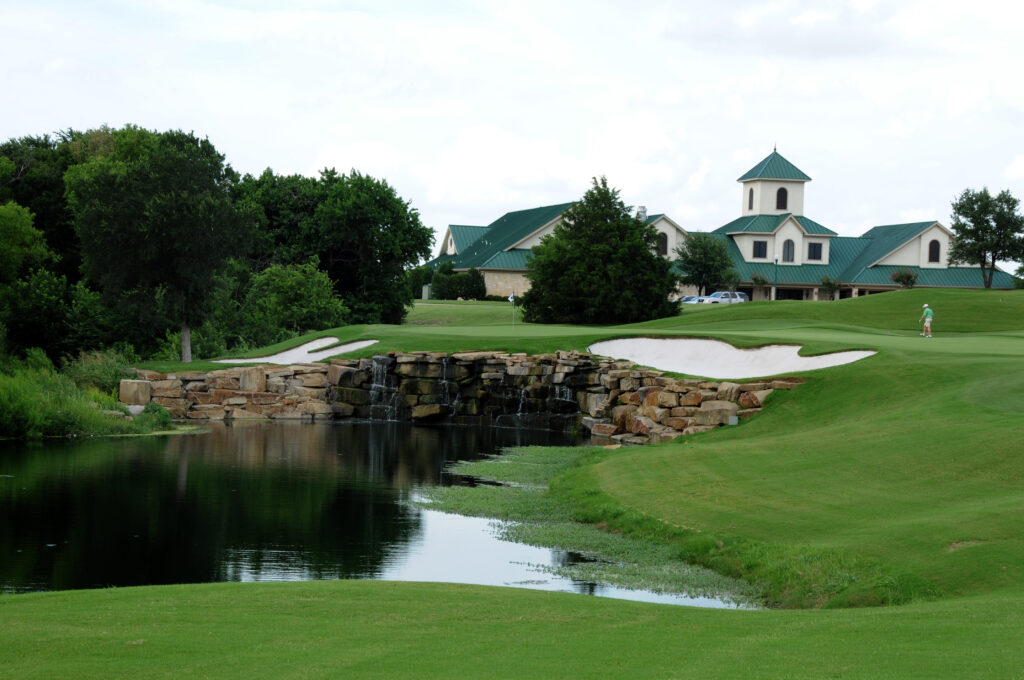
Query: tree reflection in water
[{"x": 245, "y": 501}]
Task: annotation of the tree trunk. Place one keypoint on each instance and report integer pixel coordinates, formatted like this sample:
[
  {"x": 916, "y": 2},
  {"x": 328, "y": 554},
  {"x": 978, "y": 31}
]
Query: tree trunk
[{"x": 186, "y": 343}]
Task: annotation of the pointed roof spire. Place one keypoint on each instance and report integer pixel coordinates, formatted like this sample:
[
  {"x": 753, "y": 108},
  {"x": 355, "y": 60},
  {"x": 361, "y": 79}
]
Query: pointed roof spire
[{"x": 774, "y": 166}]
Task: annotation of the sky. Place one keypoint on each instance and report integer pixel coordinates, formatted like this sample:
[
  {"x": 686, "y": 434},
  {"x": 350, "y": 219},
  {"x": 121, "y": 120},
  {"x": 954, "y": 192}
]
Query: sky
[{"x": 474, "y": 109}]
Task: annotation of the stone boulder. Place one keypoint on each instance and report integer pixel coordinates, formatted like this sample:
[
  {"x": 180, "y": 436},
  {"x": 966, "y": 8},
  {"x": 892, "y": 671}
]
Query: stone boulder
[{"x": 138, "y": 392}]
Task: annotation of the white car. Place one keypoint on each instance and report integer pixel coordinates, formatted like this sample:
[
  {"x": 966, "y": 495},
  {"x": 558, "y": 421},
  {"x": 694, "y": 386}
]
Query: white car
[{"x": 723, "y": 297}]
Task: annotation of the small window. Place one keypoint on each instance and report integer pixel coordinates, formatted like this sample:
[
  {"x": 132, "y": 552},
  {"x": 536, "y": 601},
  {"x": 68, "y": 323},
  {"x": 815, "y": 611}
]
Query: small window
[
  {"x": 781, "y": 199},
  {"x": 760, "y": 248},
  {"x": 662, "y": 243},
  {"x": 813, "y": 251},
  {"x": 750, "y": 200},
  {"x": 933, "y": 251},
  {"x": 787, "y": 251}
]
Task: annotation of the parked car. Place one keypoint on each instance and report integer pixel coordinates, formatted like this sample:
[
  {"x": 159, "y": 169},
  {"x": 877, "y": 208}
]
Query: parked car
[
  {"x": 689, "y": 300},
  {"x": 724, "y": 297}
]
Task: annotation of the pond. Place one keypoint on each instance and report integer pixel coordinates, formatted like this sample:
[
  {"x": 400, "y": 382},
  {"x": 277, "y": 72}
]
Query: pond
[{"x": 254, "y": 501}]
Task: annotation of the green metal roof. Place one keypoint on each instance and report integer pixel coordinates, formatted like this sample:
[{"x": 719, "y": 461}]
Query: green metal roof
[
  {"x": 465, "y": 234},
  {"x": 507, "y": 230},
  {"x": 775, "y": 167},
  {"x": 880, "y": 241},
  {"x": 508, "y": 259},
  {"x": 438, "y": 261},
  {"x": 767, "y": 224},
  {"x": 847, "y": 258}
]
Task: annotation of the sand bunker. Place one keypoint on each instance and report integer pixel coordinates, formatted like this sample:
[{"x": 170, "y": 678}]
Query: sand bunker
[
  {"x": 304, "y": 354},
  {"x": 716, "y": 359}
]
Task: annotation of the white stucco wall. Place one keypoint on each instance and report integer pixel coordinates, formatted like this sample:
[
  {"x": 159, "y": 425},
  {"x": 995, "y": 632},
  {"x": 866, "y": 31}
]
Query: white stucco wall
[
  {"x": 745, "y": 242},
  {"x": 914, "y": 253},
  {"x": 824, "y": 249},
  {"x": 764, "y": 197},
  {"x": 675, "y": 235},
  {"x": 534, "y": 238},
  {"x": 789, "y": 231}
]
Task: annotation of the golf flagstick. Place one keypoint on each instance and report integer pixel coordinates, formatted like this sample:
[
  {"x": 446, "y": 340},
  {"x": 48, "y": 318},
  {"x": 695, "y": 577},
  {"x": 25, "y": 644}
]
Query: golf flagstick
[{"x": 512, "y": 299}]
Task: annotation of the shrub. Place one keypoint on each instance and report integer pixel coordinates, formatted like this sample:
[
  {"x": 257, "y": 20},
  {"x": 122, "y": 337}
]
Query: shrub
[
  {"x": 904, "y": 278},
  {"x": 102, "y": 370},
  {"x": 831, "y": 286},
  {"x": 42, "y": 403},
  {"x": 291, "y": 298},
  {"x": 154, "y": 417}
]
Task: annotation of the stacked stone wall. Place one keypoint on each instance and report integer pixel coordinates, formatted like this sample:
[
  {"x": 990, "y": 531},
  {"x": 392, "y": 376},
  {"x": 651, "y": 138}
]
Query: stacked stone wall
[{"x": 564, "y": 390}]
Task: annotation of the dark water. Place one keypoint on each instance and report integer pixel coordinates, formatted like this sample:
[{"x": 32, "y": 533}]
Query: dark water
[{"x": 257, "y": 501}]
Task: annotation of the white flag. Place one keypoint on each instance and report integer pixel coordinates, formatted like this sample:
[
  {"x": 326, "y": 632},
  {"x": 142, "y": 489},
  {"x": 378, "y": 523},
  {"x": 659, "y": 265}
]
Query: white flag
[{"x": 512, "y": 297}]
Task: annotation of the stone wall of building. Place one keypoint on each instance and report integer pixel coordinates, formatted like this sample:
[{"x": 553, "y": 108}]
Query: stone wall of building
[{"x": 565, "y": 390}]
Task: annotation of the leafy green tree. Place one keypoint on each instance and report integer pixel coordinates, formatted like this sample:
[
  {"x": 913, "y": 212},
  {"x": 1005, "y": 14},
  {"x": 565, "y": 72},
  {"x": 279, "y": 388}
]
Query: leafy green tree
[
  {"x": 703, "y": 260},
  {"x": 293, "y": 299},
  {"x": 988, "y": 229},
  {"x": 366, "y": 236},
  {"x": 473, "y": 285},
  {"x": 416, "y": 278},
  {"x": 286, "y": 231},
  {"x": 442, "y": 282},
  {"x": 730, "y": 280},
  {"x": 35, "y": 312},
  {"x": 598, "y": 266},
  {"x": 32, "y": 175},
  {"x": 156, "y": 215},
  {"x": 22, "y": 246}
]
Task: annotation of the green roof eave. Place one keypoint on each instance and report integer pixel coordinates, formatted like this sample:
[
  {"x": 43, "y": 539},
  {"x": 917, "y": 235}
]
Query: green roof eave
[
  {"x": 774, "y": 166},
  {"x": 769, "y": 224}
]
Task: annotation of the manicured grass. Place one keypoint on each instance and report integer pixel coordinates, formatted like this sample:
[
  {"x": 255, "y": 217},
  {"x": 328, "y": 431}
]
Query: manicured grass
[
  {"x": 359, "y": 629},
  {"x": 895, "y": 479}
]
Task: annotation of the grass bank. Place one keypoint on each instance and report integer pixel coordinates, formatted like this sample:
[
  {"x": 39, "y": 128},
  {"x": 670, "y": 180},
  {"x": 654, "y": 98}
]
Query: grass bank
[{"x": 536, "y": 517}]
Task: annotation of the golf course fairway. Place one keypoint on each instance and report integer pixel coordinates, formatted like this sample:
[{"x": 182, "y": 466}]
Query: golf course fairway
[{"x": 878, "y": 507}]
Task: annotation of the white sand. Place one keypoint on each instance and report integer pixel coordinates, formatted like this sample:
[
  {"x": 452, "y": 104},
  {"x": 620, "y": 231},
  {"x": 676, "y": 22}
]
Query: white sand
[
  {"x": 716, "y": 359},
  {"x": 304, "y": 354}
]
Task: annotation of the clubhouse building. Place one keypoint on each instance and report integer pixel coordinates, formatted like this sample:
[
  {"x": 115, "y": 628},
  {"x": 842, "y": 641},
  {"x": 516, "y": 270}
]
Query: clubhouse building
[{"x": 776, "y": 249}]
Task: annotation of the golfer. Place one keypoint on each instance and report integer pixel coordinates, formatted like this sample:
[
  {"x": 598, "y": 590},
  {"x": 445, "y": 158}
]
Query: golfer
[{"x": 926, "y": 316}]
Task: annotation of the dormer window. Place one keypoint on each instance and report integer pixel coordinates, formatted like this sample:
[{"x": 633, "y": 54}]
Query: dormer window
[
  {"x": 787, "y": 248},
  {"x": 750, "y": 200},
  {"x": 814, "y": 251},
  {"x": 933, "y": 251},
  {"x": 761, "y": 249},
  {"x": 781, "y": 198}
]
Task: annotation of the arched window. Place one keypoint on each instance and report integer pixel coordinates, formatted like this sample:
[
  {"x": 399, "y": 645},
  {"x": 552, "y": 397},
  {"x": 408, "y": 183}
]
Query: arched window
[
  {"x": 750, "y": 200},
  {"x": 933, "y": 251},
  {"x": 787, "y": 251},
  {"x": 781, "y": 198},
  {"x": 662, "y": 244}
]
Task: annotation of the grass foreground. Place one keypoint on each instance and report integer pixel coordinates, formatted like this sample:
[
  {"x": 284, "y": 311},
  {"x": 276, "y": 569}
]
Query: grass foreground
[{"x": 896, "y": 481}]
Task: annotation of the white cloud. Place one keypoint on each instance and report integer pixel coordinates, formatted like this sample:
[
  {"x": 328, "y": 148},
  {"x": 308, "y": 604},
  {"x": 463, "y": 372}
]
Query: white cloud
[{"x": 1015, "y": 170}]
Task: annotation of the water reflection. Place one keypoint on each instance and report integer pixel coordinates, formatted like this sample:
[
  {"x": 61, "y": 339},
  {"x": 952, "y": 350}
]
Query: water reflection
[
  {"x": 256, "y": 501},
  {"x": 247, "y": 501}
]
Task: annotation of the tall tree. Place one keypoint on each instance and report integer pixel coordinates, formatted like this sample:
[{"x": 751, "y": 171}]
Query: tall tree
[
  {"x": 22, "y": 246},
  {"x": 32, "y": 175},
  {"x": 156, "y": 215},
  {"x": 366, "y": 236},
  {"x": 988, "y": 229},
  {"x": 598, "y": 266},
  {"x": 703, "y": 260}
]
